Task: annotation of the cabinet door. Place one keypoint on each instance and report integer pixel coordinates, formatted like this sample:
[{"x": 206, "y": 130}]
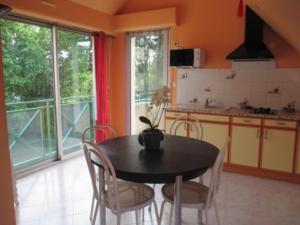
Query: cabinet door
[
  {"x": 298, "y": 156},
  {"x": 181, "y": 131},
  {"x": 278, "y": 150},
  {"x": 215, "y": 134},
  {"x": 245, "y": 146}
]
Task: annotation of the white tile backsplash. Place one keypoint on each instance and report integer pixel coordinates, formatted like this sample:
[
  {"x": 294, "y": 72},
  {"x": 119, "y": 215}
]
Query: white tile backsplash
[{"x": 252, "y": 80}]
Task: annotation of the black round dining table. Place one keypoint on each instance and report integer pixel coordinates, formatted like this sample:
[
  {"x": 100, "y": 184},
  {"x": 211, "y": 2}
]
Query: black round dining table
[{"x": 178, "y": 159}]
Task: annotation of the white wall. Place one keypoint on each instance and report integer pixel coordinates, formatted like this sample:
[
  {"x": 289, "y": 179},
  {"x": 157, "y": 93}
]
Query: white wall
[{"x": 253, "y": 80}]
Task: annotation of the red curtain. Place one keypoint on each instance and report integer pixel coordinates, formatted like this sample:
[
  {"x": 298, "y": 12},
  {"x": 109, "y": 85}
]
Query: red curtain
[
  {"x": 240, "y": 11},
  {"x": 101, "y": 82}
]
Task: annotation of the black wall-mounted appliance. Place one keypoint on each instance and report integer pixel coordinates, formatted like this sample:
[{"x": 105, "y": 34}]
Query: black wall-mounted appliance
[
  {"x": 253, "y": 48},
  {"x": 192, "y": 57}
]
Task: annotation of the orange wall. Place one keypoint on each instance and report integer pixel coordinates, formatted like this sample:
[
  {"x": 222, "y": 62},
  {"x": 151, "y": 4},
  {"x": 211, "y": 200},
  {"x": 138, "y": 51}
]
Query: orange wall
[
  {"x": 211, "y": 25},
  {"x": 117, "y": 97},
  {"x": 152, "y": 19},
  {"x": 214, "y": 26},
  {"x": 65, "y": 12},
  {"x": 7, "y": 212}
]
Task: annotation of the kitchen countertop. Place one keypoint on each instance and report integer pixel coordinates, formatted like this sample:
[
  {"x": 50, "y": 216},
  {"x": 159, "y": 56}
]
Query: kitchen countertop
[{"x": 231, "y": 111}]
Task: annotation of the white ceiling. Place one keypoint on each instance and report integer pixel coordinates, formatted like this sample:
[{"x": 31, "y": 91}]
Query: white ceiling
[{"x": 106, "y": 6}]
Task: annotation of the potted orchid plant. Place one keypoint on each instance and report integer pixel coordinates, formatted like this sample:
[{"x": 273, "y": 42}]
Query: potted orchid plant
[{"x": 151, "y": 137}]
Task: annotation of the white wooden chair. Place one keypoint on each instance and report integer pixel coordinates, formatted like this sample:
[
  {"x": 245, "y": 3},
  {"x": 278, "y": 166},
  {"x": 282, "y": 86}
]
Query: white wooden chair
[
  {"x": 119, "y": 197},
  {"x": 197, "y": 195},
  {"x": 184, "y": 121},
  {"x": 89, "y": 134}
]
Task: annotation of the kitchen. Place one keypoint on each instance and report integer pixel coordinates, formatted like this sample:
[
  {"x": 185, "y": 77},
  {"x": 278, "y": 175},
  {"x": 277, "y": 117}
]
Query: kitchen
[{"x": 220, "y": 94}]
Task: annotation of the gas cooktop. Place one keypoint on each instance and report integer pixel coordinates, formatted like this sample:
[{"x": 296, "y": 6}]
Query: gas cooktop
[{"x": 261, "y": 110}]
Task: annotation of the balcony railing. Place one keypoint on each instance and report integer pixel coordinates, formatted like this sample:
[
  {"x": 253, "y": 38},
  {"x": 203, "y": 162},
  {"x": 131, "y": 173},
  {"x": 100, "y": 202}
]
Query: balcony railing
[{"x": 32, "y": 129}]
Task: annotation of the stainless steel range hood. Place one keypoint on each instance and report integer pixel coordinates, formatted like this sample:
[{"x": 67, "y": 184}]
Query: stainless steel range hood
[{"x": 253, "y": 48}]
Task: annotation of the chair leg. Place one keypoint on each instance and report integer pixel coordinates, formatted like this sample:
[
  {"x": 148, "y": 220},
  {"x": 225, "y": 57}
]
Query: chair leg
[
  {"x": 161, "y": 211},
  {"x": 217, "y": 212},
  {"x": 200, "y": 216},
  {"x": 149, "y": 208},
  {"x": 171, "y": 214},
  {"x": 92, "y": 207},
  {"x": 156, "y": 213},
  {"x": 95, "y": 213},
  {"x": 119, "y": 219},
  {"x": 206, "y": 216},
  {"x": 143, "y": 214},
  {"x": 136, "y": 217}
]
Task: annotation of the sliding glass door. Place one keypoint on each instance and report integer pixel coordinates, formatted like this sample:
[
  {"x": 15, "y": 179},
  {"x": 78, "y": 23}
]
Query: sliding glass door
[
  {"x": 76, "y": 86},
  {"x": 30, "y": 83},
  {"x": 149, "y": 69},
  {"x": 28, "y": 74}
]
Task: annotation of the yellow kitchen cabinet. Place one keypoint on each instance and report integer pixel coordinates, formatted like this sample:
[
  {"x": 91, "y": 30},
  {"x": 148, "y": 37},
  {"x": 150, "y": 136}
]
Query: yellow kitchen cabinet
[
  {"x": 298, "y": 156},
  {"x": 245, "y": 146},
  {"x": 278, "y": 150},
  {"x": 181, "y": 131},
  {"x": 215, "y": 134}
]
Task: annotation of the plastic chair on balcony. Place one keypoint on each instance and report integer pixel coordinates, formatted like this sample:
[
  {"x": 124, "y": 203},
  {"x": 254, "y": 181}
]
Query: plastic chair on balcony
[
  {"x": 190, "y": 121},
  {"x": 197, "y": 195},
  {"x": 119, "y": 197},
  {"x": 90, "y": 134}
]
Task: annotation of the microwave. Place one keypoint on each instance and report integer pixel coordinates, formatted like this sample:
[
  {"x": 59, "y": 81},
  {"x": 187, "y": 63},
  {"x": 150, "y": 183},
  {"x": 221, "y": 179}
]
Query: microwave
[{"x": 192, "y": 57}]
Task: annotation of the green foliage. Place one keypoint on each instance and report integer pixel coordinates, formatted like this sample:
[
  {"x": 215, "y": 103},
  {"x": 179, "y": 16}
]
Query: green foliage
[
  {"x": 28, "y": 62},
  {"x": 149, "y": 64}
]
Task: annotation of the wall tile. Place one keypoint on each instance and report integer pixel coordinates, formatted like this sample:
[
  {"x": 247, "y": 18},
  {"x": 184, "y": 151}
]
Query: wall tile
[
  {"x": 253, "y": 81},
  {"x": 273, "y": 101},
  {"x": 257, "y": 100}
]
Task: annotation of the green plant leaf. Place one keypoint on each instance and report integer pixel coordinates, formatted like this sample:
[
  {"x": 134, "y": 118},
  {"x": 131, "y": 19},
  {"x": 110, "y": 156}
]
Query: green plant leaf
[{"x": 145, "y": 120}]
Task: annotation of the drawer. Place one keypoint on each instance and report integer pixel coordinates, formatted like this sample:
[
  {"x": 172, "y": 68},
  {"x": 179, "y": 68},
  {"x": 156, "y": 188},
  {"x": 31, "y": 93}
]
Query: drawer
[
  {"x": 175, "y": 114},
  {"x": 213, "y": 118},
  {"x": 246, "y": 121},
  {"x": 281, "y": 123}
]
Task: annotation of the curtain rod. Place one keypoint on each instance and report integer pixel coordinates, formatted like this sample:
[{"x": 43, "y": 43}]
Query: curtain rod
[{"x": 47, "y": 23}]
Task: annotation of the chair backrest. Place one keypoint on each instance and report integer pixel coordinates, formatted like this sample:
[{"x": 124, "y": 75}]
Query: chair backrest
[
  {"x": 216, "y": 174},
  {"x": 109, "y": 193},
  {"x": 184, "y": 121},
  {"x": 91, "y": 133}
]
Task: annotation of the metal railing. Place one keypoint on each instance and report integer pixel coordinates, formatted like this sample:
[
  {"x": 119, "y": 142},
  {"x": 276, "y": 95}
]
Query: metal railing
[{"x": 32, "y": 129}]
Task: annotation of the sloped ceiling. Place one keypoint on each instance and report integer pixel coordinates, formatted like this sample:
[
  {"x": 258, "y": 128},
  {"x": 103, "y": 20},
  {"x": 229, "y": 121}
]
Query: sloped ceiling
[
  {"x": 106, "y": 6},
  {"x": 282, "y": 15}
]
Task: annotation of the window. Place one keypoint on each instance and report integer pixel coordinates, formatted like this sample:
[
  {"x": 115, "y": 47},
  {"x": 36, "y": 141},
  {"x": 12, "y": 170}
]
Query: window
[
  {"x": 30, "y": 85},
  {"x": 149, "y": 65}
]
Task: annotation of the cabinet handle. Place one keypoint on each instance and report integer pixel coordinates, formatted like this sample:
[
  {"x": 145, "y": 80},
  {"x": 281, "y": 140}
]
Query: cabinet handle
[
  {"x": 247, "y": 121},
  {"x": 176, "y": 114},
  {"x": 258, "y": 133},
  {"x": 281, "y": 123}
]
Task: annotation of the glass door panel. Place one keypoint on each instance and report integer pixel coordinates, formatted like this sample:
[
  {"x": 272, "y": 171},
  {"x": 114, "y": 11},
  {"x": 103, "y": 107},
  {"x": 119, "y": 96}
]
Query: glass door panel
[
  {"x": 76, "y": 86},
  {"x": 148, "y": 73},
  {"x": 28, "y": 74}
]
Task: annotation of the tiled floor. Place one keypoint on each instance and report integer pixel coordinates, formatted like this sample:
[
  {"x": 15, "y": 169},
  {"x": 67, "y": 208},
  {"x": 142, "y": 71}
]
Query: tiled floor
[{"x": 61, "y": 195}]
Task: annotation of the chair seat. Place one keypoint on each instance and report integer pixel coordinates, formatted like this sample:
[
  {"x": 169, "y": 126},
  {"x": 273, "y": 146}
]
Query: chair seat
[
  {"x": 193, "y": 193},
  {"x": 132, "y": 196}
]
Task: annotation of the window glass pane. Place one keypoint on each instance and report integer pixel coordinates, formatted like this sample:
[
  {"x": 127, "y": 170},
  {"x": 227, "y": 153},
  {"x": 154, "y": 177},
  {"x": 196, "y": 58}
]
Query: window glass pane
[
  {"x": 148, "y": 73},
  {"x": 28, "y": 73},
  {"x": 76, "y": 86}
]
